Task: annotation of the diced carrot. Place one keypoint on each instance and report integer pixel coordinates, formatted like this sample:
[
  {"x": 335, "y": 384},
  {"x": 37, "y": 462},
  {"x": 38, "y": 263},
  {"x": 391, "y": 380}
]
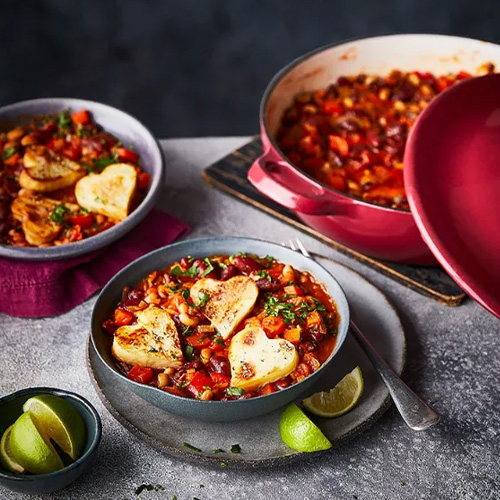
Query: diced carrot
[
  {"x": 126, "y": 154},
  {"x": 123, "y": 318},
  {"x": 292, "y": 335},
  {"x": 273, "y": 325},
  {"x": 267, "y": 389}
]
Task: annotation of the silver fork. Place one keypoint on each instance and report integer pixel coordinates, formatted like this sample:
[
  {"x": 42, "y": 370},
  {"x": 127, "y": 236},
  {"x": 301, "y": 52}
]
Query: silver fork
[{"x": 416, "y": 413}]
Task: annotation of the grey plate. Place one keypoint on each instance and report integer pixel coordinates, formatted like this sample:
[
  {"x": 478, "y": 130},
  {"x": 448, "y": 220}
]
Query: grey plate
[{"x": 259, "y": 438}]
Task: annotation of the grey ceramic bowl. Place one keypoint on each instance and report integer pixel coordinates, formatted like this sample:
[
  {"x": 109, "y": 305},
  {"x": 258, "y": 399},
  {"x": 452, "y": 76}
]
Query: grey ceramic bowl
[
  {"x": 121, "y": 125},
  {"x": 211, "y": 410},
  {"x": 11, "y": 407}
]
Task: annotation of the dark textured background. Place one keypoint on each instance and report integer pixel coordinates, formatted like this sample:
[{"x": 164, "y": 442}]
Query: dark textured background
[{"x": 196, "y": 67}]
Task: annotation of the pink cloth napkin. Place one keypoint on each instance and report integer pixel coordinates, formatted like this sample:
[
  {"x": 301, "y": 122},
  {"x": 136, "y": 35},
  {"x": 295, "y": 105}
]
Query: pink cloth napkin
[{"x": 36, "y": 289}]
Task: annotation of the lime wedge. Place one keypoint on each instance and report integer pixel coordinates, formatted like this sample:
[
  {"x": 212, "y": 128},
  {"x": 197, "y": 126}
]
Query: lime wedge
[
  {"x": 31, "y": 449},
  {"x": 299, "y": 432},
  {"x": 339, "y": 400},
  {"x": 60, "y": 421},
  {"x": 6, "y": 457}
]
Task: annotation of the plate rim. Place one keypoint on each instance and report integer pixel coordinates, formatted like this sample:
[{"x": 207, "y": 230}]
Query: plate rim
[{"x": 239, "y": 462}]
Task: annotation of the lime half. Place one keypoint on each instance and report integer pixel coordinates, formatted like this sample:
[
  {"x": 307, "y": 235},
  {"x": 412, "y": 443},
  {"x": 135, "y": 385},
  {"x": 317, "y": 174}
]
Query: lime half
[
  {"x": 6, "y": 457},
  {"x": 339, "y": 400},
  {"x": 31, "y": 448},
  {"x": 299, "y": 432},
  {"x": 60, "y": 421}
]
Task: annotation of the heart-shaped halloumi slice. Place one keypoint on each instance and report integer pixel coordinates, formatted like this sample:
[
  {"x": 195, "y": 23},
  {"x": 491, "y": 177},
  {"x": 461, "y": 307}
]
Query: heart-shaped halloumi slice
[
  {"x": 257, "y": 360},
  {"x": 226, "y": 303},
  {"x": 153, "y": 342},
  {"x": 108, "y": 193}
]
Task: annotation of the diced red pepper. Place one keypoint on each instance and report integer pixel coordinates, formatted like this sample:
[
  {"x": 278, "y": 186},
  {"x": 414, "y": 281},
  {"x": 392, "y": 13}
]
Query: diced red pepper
[
  {"x": 267, "y": 389},
  {"x": 442, "y": 83},
  {"x": 56, "y": 144},
  {"x": 217, "y": 345},
  {"x": 141, "y": 374},
  {"x": 199, "y": 383},
  {"x": 84, "y": 221},
  {"x": 220, "y": 379},
  {"x": 123, "y": 318},
  {"x": 273, "y": 326},
  {"x": 338, "y": 144},
  {"x": 143, "y": 180},
  {"x": 199, "y": 340},
  {"x": 126, "y": 154},
  {"x": 13, "y": 160},
  {"x": 80, "y": 117},
  {"x": 72, "y": 153},
  {"x": 331, "y": 106}
]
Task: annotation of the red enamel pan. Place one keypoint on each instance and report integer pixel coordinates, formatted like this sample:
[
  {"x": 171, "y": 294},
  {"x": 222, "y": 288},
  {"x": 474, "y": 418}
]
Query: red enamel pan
[{"x": 380, "y": 232}]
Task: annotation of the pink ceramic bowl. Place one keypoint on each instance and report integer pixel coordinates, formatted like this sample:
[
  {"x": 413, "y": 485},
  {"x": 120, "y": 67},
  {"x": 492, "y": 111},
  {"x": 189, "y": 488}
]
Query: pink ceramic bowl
[{"x": 380, "y": 232}]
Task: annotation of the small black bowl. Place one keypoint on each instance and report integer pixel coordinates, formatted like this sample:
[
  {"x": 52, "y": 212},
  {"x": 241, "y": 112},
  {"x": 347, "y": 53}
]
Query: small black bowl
[{"x": 11, "y": 407}]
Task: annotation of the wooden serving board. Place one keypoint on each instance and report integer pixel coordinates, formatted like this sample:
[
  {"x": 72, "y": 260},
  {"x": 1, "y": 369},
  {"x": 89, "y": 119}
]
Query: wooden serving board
[{"x": 230, "y": 175}]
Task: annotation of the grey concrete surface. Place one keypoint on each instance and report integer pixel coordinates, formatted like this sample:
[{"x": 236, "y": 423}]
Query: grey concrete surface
[{"x": 453, "y": 363}]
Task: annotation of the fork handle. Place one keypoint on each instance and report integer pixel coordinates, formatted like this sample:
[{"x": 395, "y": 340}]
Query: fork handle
[{"x": 416, "y": 413}]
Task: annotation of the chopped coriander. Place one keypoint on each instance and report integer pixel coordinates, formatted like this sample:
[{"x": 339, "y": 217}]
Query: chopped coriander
[
  {"x": 153, "y": 350},
  {"x": 191, "y": 447},
  {"x": 236, "y": 448},
  {"x": 218, "y": 450},
  {"x": 88, "y": 167},
  {"x": 241, "y": 254},
  {"x": 192, "y": 272},
  {"x": 203, "y": 297},
  {"x": 401, "y": 483},
  {"x": 264, "y": 275},
  {"x": 290, "y": 283},
  {"x": 269, "y": 259},
  {"x": 273, "y": 307},
  {"x": 187, "y": 331},
  {"x": 174, "y": 497},
  {"x": 58, "y": 214},
  {"x": 235, "y": 391},
  {"x": 220, "y": 342},
  {"x": 102, "y": 163},
  {"x": 64, "y": 120},
  {"x": 98, "y": 199},
  {"x": 209, "y": 268},
  {"x": 223, "y": 464},
  {"x": 222, "y": 265},
  {"x": 189, "y": 352},
  {"x": 142, "y": 487},
  {"x": 319, "y": 306},
  {"x": 8, "y": 152},
  {"x": 203, "y": 337},
  {"x": 185, "y": 293}
]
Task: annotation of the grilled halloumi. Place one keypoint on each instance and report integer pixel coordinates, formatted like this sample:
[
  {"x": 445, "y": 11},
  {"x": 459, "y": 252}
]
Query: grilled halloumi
[
  {"x": 45, "y": 170},
  {"x": 153, "y": 342},
  {"x": 34, "y": 214},
  {"x": 257, "y": 360},
  {"x": 110, "y": 192},
  {"x": 228, "y": 303}
]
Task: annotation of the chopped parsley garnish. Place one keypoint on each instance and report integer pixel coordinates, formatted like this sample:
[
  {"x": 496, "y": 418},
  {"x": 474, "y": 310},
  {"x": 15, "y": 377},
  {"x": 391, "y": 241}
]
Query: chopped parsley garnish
[
  {"x": 189, "y": 352},
  {"x": 209, "y": 268},
  {"x": 218, "y": 450},
  {"x": 269, "y": 259},
  {"x": 319, "y": 306},
  {"x": 273, "y": 307},
  {"x": 236, "y": 448},
  {"x": 8, "y": 152},
  {"x": 153, "y": 350},
  {"x": 64, "y": 120},
  {"x": 187, "y": 331},
  {"x": 102, "y": 163},
  {"x": 290, "y": 283},
  {"x": 235, "y": 391},
  {"x": 220, "y": 342},
  {"x": 98, "y": 199},
  {"x": 58, "y": 214},
  {"x": 174, "y": 497},
  {"x": 223, "y": 464},
  {"x": 185, "y": 295},
  {"x": 191, "y": 272},
  {"x": 264, "y": 275},
  {"x": 203, "y": 297},
  {"x": 148, "y": 487},
  {"x": 191, "y": 447}
]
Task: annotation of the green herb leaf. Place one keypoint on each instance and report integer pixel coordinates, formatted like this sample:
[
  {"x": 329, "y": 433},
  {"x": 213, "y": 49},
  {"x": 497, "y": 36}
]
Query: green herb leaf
[
  {"x": 189, "y": 352},
  {"x": 142, "y": 487},
  {"x": 102, "y": 163},
  {"x": 159, "y": 487},
  {"x": 153, "y": 350},
  {"x": 270, "y": 259},
  {"x": 274, "y": 307},
  {"x": 223, "y": 464},
  {"x": 235, "y": 391},
  {"x": 187, "y": 331},
  {"x": 8, "y": 152},
  {"x": 220, "y": 342},
  {"x": 236, "y": 448},
  {"x": 191, "y": 447},
  {"x": 264, "y": 275},
  {"x": 64, "y": 120},
  {"x": 98, "y": 199},
  {"x": 185, "y": 293},
  {"x": 218, "y": 450},
  {"x": 58, "y": 214},
  {"x": 209, "y": 268},
  {"x": 203, "y": 297},
  {"x": 192, "y": 272}
]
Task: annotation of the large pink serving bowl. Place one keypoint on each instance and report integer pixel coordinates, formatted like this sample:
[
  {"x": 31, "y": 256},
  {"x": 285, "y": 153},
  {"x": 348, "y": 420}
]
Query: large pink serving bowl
[{"x": 371, "y": 229}]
